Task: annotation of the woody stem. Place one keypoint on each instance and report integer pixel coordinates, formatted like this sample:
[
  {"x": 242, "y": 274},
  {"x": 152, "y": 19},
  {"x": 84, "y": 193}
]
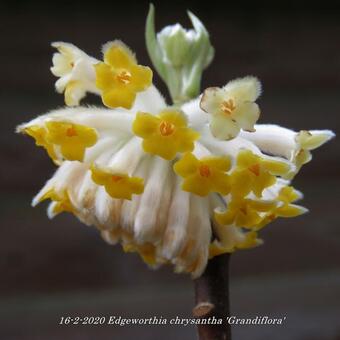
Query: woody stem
[{"x": 212, "y": 299}]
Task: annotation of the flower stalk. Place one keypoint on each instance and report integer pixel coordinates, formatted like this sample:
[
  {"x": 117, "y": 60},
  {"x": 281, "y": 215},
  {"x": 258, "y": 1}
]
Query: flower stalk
[{"x": 212, "y": 299}]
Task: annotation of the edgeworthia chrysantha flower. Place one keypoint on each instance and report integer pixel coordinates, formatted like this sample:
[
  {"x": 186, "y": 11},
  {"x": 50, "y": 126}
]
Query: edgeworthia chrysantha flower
[
  {"x": 177, "y": 183},
  {"x": 232, "y": 107},
  {"x": 75, "y": 71}
]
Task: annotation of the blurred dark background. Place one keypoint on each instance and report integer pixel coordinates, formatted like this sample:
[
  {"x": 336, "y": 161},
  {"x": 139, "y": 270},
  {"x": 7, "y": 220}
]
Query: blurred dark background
[{"x": 50, "y": 269}]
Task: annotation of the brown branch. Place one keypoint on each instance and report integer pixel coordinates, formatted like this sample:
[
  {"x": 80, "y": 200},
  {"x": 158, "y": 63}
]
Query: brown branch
[{"x": 212, "y": 299}]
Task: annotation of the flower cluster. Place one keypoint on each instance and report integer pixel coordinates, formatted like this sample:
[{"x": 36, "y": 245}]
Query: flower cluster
[{"x": 176, "y": 184}]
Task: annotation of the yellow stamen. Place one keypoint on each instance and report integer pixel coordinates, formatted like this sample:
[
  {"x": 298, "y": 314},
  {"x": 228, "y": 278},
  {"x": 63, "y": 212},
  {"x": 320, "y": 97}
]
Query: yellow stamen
[
  {"x": 243, "y": 210},
  {"x": 228, "y": 106},
  {"x": 116, "y": 178},
  {"x": 166, "y": 128},
  {"x": 124, "y": 77},
  {"x": 204, "y": 170},
  {"x": 71, "y": 132},
  {"x": 255, "y": 169}
]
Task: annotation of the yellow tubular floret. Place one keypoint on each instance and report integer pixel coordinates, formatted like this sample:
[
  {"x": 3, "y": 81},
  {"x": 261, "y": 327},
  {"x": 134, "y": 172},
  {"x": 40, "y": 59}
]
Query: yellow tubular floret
[
  {"x": 117, "y": 185},
  {"x": 73, "y": 139},
  {"x": 254, "y": 173},
  {"x": 216, "y": 249},
  {"x": 75, "y": 71},
  {"x": 165, "y": 134},
  {"x": 245, "y": 213},
  {"x": 286, "y": 196},
  {"x": 306, "y": 141},
  {"x": 62, "y": 201},
  {"x": 248, "y": 240},
  {"x": 284, "y": 208},
  {"x": 310, "y": 141},
  {"x": 119, "y": 77},
  {"x": 202, "y": 176},
  {"x": 73, "y": 91}
]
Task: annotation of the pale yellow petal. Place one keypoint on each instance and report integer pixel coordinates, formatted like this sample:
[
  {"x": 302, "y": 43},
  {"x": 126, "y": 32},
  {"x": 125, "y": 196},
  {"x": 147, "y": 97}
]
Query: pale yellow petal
[
  {"x": 223, "y": 127},
  {"x": 290, "y": 210},
  {"x": 211, "y": 100},
  {"x": 246, "y": 115},
  {"x": 244, "y": 89}
]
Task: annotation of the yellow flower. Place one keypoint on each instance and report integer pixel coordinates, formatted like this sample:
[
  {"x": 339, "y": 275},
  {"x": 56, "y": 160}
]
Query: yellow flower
[
  {"x": 119, "y": 77},
  {"x": 215, "y": 249},
  {"x": 146, "y": 251},
  {"x": 62, "y": 201},
  {"x": 39, "y": 134},
  {"x": 254, "y": 173},
  {"x": 244, "y": 213},
  {"x": 202, "y": 176},
  {"x": 166, "y": 134},
  {"x": 286, "y": 196},
  {"x": 75, "y": 71},
  {"x": 73, "y": 139},
  {"x": 307, "y": 141},
  {"x": 232, "y": 107},
  {"x": 117, "y": 185},
  {"x": 249, "y": 240}
]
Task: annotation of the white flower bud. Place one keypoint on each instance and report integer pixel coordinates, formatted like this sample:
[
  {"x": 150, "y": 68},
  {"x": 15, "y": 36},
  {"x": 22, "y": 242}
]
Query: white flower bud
[
  {"x": 176, "y": 43},
  {"x": 179, "y": 55}
]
